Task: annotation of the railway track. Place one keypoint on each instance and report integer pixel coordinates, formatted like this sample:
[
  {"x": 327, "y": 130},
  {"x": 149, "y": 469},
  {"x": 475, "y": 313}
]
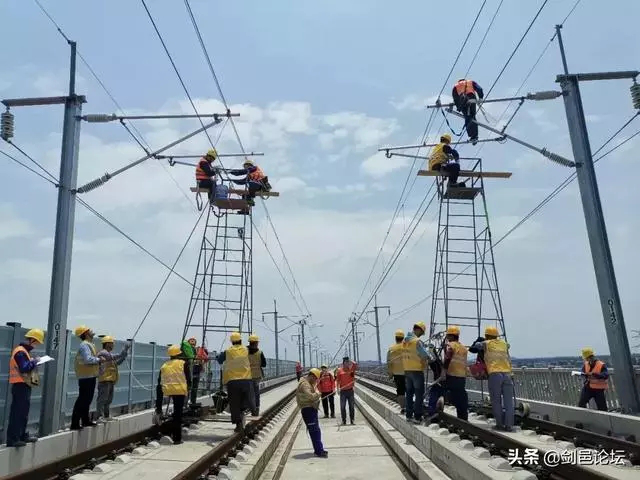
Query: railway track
[{"x": 499, "y": 444}]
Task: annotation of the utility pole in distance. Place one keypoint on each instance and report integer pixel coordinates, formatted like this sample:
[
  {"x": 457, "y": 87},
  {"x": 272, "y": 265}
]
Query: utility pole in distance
[
  {"x": 56, "y": 342},
  {"x": 596, "y": 227},
  {"x": 276, "y": 333},
  {"x": 297, "y": 338},
  {"x": 377, "y": 324}
]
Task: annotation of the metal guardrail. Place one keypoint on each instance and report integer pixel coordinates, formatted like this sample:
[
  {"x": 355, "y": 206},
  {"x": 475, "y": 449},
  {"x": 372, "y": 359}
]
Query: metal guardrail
[
  {"x": 551, "y": 384},
  {"x": 135, "y": 389}
]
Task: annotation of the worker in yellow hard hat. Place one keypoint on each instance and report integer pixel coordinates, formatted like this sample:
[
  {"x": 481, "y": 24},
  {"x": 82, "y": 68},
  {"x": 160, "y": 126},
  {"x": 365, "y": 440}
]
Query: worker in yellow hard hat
[
  {"x": 596, "y": 380},
  {"x": 498, "y": 364},
  {"x": 254, "y": 178},
  {"x": 395, "y": 367},
  {"x": 414, "y": 363},
  {"x": 466, "y": 94},
  {"x": 109, "y": 376},
  {"x": 445, "y": 159},
  {"x": 454, "y": 372},
  {"x": 308, "y": 399},
  {"x": 23, "y": 376},
  {"x": 257, "y": 361},
  {"x": 174, "y": 380},
  {"x": 87, "y": 367},
  {"x": 206, "y": 173},
  {"x": 236, "y": 375}
]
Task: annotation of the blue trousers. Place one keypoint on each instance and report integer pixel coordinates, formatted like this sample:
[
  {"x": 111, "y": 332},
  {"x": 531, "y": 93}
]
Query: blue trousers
[
  {"x": 19, "y": 413},
  {"x": 414, "y": 382},
  {"x": 310, "y": 417},
  {"x": 435, "y": 392}
]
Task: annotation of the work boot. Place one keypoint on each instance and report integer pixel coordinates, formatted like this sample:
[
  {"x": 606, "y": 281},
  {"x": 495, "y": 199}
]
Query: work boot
[
  {"x": 323, "y": 454},
  {"x": 326, "y": 416},
  {"x": 17, "y": 444},
  {"x": 333, "y": 415},
  {"x": 29, "y": 439}
]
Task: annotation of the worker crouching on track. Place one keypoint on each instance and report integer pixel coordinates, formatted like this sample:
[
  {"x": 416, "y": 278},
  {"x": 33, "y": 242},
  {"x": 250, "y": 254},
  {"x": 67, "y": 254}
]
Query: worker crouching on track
[
  {"x": 174, "y": 381},
  {"x": 395, "y": 368},
  {"x": 236, "y": 375},
  {"x": 23, "y": 376},
  {"x": 455, "y": 372},
  {"x": 87, "y": 367},
  {"x": 596, "y": 380},
  {"x": 109, "y": 375},
  {"x": 414, "y": 362},
  {"x": 257, "y": 362},
  {"x": 498, "y": 362},
  {"x": 345, "y": 379},
  {"x": 308, "y": 398},
  {"x": 206, "y": 174},
  {"x": 440, "y": 161},
  {"x": 327, "y": 387}
]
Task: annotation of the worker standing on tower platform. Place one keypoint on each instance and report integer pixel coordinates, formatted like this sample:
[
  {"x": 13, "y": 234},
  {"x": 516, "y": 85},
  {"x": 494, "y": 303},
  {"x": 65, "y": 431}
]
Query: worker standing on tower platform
[
  {"x": 465, "y": 96},
  {"x": 87, "y": 367},
  {"x": 298, "y": 371},
  {"x": 327, "y": 387},
  {"x": 257, "y": 362},
  {"x": 596, "y": 380},
  {"x": 206, "y": 174},
  {"x": 236, "y": 375},
  {"x": 255, "y": 179},
  {"x": 498, "y": 363},
  {"x": 308, "y": 399},
  {"x": 23, "y": 376},
  {"x": 174, "y": 381},
  {"x": 454, "y": 372},
  {"x": 414, "y": 362},
  {"x": 345, "y": 379},
  {"x": 109, "y": 375},
  {"x": 440, "y": 160},
  {"x": 395, "y": 368}
]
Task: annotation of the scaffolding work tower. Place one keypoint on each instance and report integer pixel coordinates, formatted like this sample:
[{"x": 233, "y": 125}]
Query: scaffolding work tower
[{"x": 465, "y": 282}]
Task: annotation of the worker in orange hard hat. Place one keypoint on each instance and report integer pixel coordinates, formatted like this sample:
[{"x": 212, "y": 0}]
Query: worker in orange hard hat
[
  {"x": 87, "y": 368},
  {"x": 395, "y": 367},
  {"x": 109, "y": 375},
  {"x": 454, "y": 372},
  {"x": 206, "y": 173},
  {"x": 465, "y": 96},
  {"x": 23, "y": 376},
  {"x": 596, "y": 380}
]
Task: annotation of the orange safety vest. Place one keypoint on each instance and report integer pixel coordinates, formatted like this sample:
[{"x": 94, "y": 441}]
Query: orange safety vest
[
  {"x": 326, "y": 384},
  {"x": 257, "y": 175},
  {"x": 298, "y": 368},
  {"x": 464, "y": 87},
  {"x": 345, "y": 378},
  {"x": 596, "y": 383},
  {"x": 200, "y": 173},
  {"x": 30, "y": 378}
]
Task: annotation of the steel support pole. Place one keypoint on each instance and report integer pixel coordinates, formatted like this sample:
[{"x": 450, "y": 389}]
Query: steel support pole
[
  {"x": 355, "y": 339},
  {"x": 56, "y": 342},
  {"x": 302, "y": 332},
  {"x": 275, "y": 319},
  {"x": 310, "y": 356}
]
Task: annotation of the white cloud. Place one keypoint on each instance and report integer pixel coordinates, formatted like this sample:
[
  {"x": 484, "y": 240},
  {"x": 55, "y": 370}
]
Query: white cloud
[
  {"x": 11, "y": 225},
  {"x": 288, "y": 184},
  {"x": 366, "y": 131},
  {"x": 378, "y": 165},
  {"x": 417, "y": 102}
]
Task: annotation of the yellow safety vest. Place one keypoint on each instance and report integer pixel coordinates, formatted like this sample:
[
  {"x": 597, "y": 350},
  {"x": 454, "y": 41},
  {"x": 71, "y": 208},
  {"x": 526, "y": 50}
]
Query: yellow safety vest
[
  {"x": 236, "y": 364},
  {"x": 395, "y": 364},
  {"x": 438, "y": 156},
  {"x": 86, "y": 371},
  {"x": 110, "y": 372},
  {"x": 255, "y": 362},
  {"x": 172, "y": 378},
  {"x": 458, "y": 364},
  {"x": 411, "y": 361},
  {"x": 496, "y": 356}
]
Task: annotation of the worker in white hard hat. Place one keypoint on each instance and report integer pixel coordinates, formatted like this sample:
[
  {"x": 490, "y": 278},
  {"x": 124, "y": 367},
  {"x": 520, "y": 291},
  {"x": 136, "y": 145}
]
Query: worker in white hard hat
[
  {"x": 236, "y": 375},
  {"x": 23, "y": 376},
  {"x": 308, "y": 399},
  {"x": 596, "y": 380},
  {"x": 174, "y": 381},
  {"x": 257, "y": 361},
  {"x": 395, "y": 368},
  {"x": 109, "y": 376},
  {"x": 255, "y": 179},
  {"x": 87, "y": 367}
]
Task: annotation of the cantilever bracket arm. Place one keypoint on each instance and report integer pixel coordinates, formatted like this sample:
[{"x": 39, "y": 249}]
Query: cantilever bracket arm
[{"x": 501, "y": 138}]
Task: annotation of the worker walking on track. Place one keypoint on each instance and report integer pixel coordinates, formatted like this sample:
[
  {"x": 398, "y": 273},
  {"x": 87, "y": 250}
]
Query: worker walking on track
[
  {"x": 596, "y": 380},
  {"x": 174, "y": 382},
  {"x": 439, "y": 161},
  {"x": 236, "y": 375},
  {"x": 109, "y": 375},
  {"x": 498, "y": 363},
  {"x": 87, "y": 367},
  {"x": 395, "y": 368},
  {"x": 454, "y": 372},
  {"x": 298, "y": 371},
  {"x": 308, "y": 399},
  {"x": 257, "y": 362},
  {"x": 345, "y": 379},
  {"x": 23, "y": 376},
  {"x": 414, "y": 362},
  {"x": 327, "y": 387},
  {"x": 206, "y": 173},
  {"x": 465, "y": 96}
]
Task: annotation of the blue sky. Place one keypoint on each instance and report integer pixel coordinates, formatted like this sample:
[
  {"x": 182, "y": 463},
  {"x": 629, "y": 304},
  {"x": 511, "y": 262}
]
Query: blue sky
[{"x": 320, "y": 86}]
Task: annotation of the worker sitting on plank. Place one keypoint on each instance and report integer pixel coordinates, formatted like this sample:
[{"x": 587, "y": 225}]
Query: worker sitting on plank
[
  {"x": 206, "y": 174},
  {"x": 440, "y": 160},
  {"x": 255, "y": 180}
]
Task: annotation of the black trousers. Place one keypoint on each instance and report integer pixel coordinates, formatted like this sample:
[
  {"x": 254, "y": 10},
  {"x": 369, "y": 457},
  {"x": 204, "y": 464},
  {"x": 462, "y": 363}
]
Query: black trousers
[
  {"x": 328, "y": 403},
  {"x": 589, "y": 393},
  {"x": 241, "y": 395},
  {"x": 176, "y": 417},
  {"x": 19, "y": 413},
  {"x": 452, "y": 169},
  {"x": 298, "y": 374},
  {"x": 86, "y": 389},
  {"x": 469, "y": 112},
  {"x": 456, "y": 389},
  {"x": 195, "y": 381},
  {"x": 400, "y": 384},
  {"x": 211, "y": 185}
]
